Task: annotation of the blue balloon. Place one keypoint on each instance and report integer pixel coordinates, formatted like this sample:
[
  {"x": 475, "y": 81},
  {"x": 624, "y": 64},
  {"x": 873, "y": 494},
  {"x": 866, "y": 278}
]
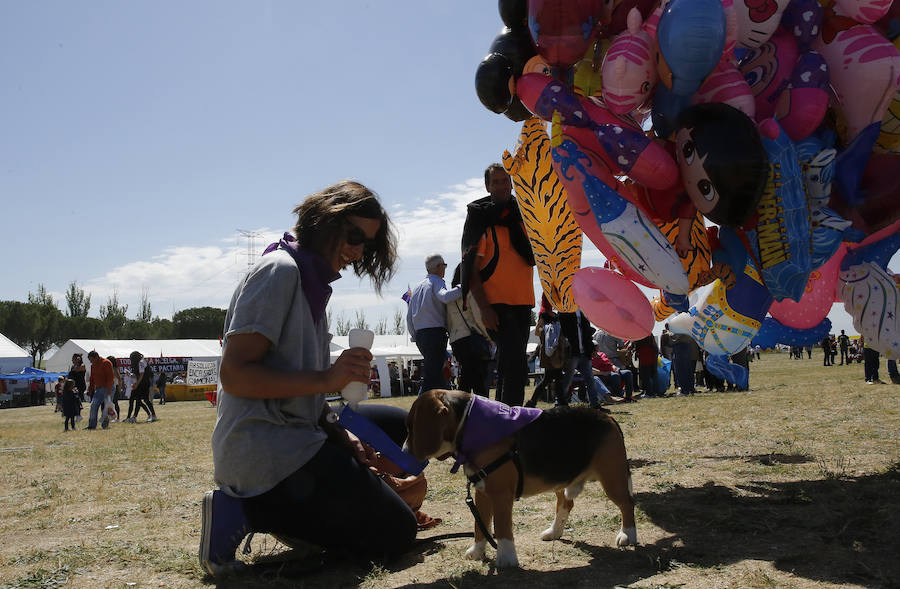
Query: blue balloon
[
  {"x": 667, "y": 105},
  {"x": 880, "y": 252},
  {"x": 773, "y": 332},
  {"x": 782, "y": 238},
  {"x": 663, "y": 374},
  {"x": 720, "y": 365},
  {"x": 691, "y": 37},
  {"x": 851, "y": 163}
]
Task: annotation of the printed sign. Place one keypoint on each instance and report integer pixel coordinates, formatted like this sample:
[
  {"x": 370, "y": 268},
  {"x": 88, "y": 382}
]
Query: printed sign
[{"x": 201, "y": 373}]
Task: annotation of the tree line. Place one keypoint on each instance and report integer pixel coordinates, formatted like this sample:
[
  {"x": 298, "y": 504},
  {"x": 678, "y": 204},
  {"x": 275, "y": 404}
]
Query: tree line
[{"x": 39, "y": 324}]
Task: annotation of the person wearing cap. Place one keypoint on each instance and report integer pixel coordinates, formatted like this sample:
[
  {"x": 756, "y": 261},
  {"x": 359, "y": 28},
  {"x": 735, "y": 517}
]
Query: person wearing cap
[{"x": 426, "y": 320}]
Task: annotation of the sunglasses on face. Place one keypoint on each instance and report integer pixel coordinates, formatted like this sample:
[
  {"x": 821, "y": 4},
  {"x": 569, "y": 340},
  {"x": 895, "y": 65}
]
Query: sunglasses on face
[{"x": 354, "y": 236}]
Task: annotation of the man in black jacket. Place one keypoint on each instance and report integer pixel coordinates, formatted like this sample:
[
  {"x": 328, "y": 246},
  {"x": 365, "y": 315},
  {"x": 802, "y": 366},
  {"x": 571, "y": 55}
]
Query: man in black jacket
[{"x": 498, "y": 267}]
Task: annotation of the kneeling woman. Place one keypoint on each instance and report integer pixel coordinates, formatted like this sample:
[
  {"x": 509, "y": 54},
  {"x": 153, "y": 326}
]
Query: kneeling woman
[{"x": 282, "y": 467}]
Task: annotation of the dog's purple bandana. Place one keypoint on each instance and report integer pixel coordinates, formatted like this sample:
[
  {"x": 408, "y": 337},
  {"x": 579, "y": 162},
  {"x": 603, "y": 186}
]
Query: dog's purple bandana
[{"x": 486, "y": 422}]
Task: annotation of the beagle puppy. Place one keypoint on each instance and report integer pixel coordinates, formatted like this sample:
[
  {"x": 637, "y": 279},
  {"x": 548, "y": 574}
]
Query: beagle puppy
[{"x": 557, "y": 450}]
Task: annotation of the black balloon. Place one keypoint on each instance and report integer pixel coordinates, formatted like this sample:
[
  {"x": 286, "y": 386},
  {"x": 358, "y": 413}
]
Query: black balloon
[
  {"x": 492, "y": 82},
  {"x": 513, "y": 12},
  {"x": 517, "y": 111},
  {"x": 516, "y": 46}
]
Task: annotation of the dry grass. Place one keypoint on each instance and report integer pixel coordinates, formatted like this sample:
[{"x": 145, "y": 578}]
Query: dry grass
[{"x": 796, "y": 484}]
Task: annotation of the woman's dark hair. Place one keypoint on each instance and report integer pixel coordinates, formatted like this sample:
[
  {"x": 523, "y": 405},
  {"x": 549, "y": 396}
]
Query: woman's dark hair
[
  {"x": 736, "y": 161},
  {"x": 322, "y": 225},
  {"x": 113, "y": 360},
  {"x": 135, "y": 362}
]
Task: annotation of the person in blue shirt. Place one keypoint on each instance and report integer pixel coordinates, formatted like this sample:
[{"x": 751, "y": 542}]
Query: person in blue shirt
[{"x": 426, "y": 320}]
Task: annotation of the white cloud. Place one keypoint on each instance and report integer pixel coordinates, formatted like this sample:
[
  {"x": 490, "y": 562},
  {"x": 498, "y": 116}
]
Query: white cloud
[
  {"x": 178, "y": 278},
  {"x": 182, "y": 276}
]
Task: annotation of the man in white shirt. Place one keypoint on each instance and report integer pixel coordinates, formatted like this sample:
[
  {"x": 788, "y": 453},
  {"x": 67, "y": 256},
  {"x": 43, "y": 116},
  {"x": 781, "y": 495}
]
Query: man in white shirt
[{"x": 426, "y": 321}]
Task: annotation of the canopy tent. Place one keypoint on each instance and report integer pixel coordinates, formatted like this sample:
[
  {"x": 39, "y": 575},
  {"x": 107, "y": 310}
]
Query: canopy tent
[
  {"x": 397, "y": 347},
  {"x": 384, "y": 349},
  {"x": 29, "y": 373},
  {"x": 12, "y": 357},
  {"x": 186, "y": 349}
]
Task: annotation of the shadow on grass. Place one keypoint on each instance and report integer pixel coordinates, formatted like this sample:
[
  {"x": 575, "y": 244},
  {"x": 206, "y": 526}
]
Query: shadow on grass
[
  {"x": 835, "y": 530},
  {"x": 770, "y": 459},
  {"x": 838, "y": 530}
]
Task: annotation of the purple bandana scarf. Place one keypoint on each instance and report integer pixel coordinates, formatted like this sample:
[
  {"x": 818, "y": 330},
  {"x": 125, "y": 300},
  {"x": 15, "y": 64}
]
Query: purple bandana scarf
[
  {"x": 315, "y": 273},
  {"x": 487, "y": 422}
]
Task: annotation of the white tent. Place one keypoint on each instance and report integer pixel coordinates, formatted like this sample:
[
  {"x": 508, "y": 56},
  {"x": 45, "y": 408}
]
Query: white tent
[
  {"x": 384, "y": 348},
  {"x": 207, "y": 350},
  {"x": 12, "y": 357},
  {"x": 396, "y": 347}
]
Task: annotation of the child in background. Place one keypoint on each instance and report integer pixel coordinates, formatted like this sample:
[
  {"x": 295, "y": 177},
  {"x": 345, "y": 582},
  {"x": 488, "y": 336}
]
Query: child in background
[
  {"x": 71, "y": 404},
  {"x": 58, "y": 389}
]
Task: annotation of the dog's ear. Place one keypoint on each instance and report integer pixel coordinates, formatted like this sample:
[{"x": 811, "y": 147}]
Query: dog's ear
[
  {"x": 425, "y": 424},
  {"x": 444, "y": 409}
]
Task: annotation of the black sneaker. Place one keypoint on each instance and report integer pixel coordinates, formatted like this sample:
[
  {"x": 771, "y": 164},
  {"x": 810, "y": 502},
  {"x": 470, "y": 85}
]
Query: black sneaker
[{"x": 223, "y": 526}]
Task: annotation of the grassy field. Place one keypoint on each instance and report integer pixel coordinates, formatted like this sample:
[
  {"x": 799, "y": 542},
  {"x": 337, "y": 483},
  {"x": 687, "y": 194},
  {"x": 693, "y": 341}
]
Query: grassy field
[{"x": 794, "y": 484}]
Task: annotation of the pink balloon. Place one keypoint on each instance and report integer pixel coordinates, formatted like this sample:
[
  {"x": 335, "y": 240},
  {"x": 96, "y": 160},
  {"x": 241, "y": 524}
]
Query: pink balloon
[
  {"x": 816, "y": 302},
  {"x": 613, "y": 303},
  {"x": 864, "y": 67}
]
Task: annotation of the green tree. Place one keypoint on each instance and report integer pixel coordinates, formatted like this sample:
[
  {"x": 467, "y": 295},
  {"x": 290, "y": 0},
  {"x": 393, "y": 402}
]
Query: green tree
[
  {"x": 145, "y": 315},
  {"x": 199, "y": 323},
  {"x": 82, "y": 328},
  {"x": 78, "y": 302},
  {"x": 136, "y": 329},
  {"x": 360, "y": 321},
  {"x": 35, "y": 325},
  {"x": 163, "y": 329},
  {"x": 342, "y": 326},
  {"x": 399, "y": 322},
  {"x": 381, "y": 328},
  {"x": 15, "y": 320},
  {"x": 113, "y": 315}
]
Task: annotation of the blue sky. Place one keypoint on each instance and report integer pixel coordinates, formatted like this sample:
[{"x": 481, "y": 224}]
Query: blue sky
[{"x": 140, "y": 137}]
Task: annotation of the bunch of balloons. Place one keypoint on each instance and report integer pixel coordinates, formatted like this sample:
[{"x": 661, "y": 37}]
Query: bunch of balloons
[{"x": 738, "y": 155}]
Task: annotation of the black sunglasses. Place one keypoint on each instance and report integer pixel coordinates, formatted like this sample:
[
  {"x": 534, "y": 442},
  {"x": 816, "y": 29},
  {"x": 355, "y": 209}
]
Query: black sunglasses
[{"x": 354, "y": 236}]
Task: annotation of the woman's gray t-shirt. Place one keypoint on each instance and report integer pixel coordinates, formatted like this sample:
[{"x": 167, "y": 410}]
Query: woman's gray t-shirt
[{"x": 257, "y": 443}]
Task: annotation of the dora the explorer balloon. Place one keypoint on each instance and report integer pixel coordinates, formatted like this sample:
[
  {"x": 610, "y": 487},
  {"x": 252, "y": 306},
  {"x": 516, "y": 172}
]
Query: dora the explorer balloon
[{"x": 723, "y": 164}]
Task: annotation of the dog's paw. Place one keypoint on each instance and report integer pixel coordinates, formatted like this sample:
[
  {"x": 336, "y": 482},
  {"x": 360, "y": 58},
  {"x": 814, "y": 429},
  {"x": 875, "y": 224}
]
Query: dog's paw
[
  {"x": 551, "y": 533},
  {"x": 506, "y": 554},
  {"x": 476, "y": 551},
  {"x": 626, "y": 537}
]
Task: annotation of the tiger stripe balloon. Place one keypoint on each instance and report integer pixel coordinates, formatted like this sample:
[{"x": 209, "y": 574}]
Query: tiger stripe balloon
[
  {"x": 699, "y": 259},
  {"x": 696, "y": 263},
  {"x": 554, "y": 235}
]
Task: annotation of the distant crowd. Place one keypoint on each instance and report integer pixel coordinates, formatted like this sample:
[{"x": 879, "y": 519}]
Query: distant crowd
[{"x": 107, "y": 385}]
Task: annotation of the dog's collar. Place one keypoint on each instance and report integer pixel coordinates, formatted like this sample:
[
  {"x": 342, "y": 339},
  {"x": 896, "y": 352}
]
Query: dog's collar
[{"x": 461, "y": 425}]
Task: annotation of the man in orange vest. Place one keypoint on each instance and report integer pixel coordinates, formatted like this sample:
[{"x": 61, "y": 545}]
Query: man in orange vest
[{"x": 498, "y": 267}]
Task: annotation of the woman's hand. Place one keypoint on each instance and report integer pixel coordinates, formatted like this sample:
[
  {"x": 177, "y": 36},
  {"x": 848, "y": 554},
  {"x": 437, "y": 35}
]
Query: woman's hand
[
  {"x": 352, "y": 365},
  {"x": 364, "y": 453}
]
